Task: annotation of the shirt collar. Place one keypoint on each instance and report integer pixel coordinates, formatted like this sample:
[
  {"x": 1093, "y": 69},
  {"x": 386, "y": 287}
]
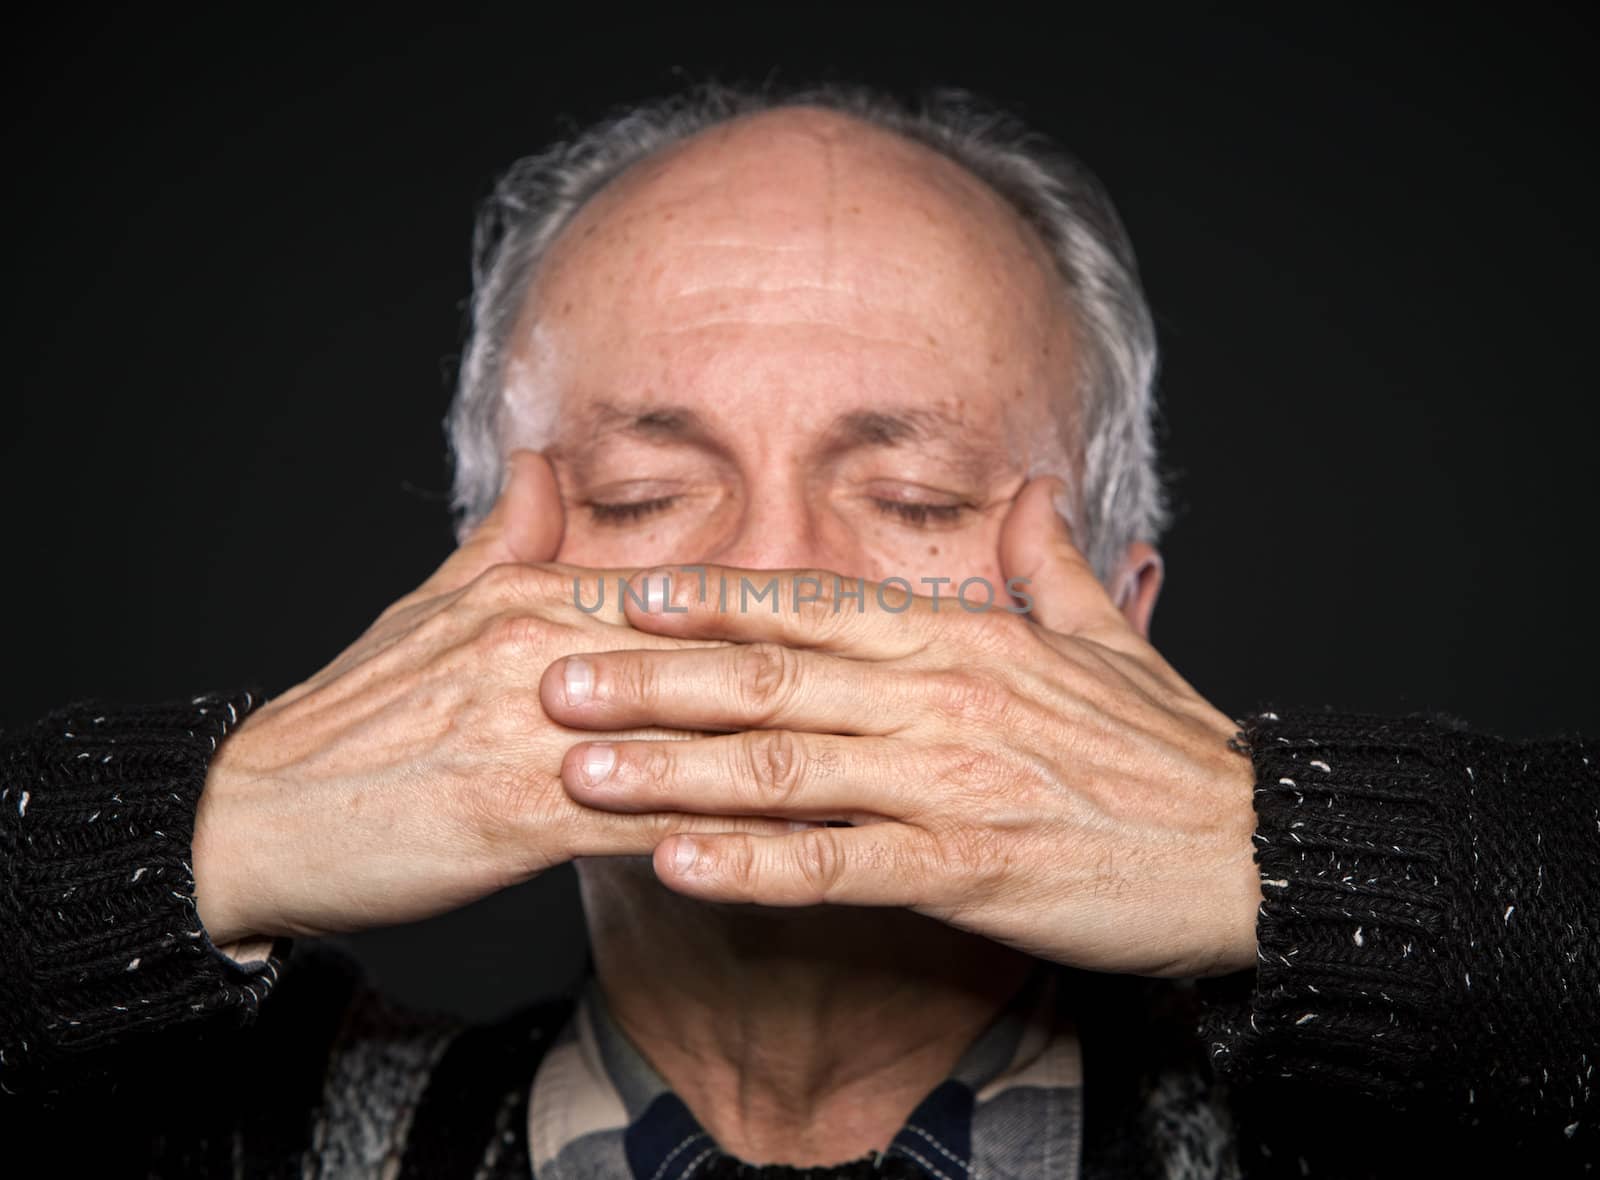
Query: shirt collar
[{"x": 1012, "y": 1106}]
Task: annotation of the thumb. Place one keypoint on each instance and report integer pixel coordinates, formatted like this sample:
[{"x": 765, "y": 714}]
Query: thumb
[
  {"x": 525, "y": 525},
  {"x": 1038, "y": 555}
]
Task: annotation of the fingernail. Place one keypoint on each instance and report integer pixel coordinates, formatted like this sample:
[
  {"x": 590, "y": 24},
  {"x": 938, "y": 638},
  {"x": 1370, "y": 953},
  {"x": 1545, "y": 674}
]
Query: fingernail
[
  {"x": 657, "y": 592},
  {"x": 598, "y": 761},
  {"x": 684, "y": 858},
  {"x": 579, "y": 681}
]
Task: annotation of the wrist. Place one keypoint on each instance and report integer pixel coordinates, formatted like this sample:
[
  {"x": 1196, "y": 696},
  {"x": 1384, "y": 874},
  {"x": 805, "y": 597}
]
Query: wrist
[
  {"x": 216, "y": 899},
  {"x": 1243, "y": 909},
  {"x": 1240, "y": 882}
]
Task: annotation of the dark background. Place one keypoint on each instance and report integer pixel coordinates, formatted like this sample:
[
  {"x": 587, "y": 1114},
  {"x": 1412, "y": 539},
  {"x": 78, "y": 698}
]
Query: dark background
[{"x": 236, "y": 260}]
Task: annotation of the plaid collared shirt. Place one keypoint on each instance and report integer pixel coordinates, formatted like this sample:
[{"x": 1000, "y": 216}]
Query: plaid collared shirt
[{"x": 1012, "y": 1108}]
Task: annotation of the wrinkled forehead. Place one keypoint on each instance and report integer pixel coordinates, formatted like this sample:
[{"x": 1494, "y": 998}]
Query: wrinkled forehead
[
  {"x": 805, "y": 197},
  {"x": 805, "y": 230}
]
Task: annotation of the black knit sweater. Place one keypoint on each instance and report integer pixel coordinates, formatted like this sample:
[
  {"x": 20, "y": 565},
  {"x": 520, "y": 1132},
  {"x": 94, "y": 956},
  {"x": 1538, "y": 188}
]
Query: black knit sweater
[{"x": 1427, "y": 995}]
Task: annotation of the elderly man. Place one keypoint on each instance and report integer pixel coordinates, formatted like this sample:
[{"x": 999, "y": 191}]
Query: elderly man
[{"x": 862, "y": 841}]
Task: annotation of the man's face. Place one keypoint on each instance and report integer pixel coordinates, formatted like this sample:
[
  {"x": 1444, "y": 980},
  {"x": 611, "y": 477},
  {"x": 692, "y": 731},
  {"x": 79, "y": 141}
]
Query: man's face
[{"x": 794, "y": 341}]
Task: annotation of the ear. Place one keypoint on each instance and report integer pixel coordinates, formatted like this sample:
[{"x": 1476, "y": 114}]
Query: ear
[{"x": 1136, "y": 584}]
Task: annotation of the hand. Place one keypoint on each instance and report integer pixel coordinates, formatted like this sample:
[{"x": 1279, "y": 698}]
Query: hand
[
  {"x": 1048, "y": 781},
  {"x": 417, "y": 772}
]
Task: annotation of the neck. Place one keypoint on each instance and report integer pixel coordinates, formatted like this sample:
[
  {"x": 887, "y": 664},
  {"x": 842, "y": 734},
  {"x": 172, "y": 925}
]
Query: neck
[{"x": 803, "y": 1037}]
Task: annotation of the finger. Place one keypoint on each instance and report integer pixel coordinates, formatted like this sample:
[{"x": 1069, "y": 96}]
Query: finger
[
  {"x": 797, "y": 608},
  {"x": 738, "y": 686},
  {"x": 574, "y": 594},
  {"x": 877, "y": 865},
  {"x": 801, "y": 776},
  {"x": 1037, "y": 553},
  {"x": 525, "y": 525},
  {"x": 602, "y": 833},
  {"x": 599, "y": 594}
]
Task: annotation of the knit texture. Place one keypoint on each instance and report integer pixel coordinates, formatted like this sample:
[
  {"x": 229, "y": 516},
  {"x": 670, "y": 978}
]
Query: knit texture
[
  {"x": 1427, "y": 961},
  {"x": 1429, "y": 932},
  {"x": 103, "y": 942}
]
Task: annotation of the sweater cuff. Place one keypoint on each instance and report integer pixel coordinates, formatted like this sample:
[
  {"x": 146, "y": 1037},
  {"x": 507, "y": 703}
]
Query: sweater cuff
[
  {"x": 1351, "y": 844},
  {"x": 105, "y": 940}
]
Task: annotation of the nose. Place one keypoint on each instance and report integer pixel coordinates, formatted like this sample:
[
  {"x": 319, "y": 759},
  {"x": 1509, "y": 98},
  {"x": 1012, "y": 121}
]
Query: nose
[{"x": 778, "y": 529}]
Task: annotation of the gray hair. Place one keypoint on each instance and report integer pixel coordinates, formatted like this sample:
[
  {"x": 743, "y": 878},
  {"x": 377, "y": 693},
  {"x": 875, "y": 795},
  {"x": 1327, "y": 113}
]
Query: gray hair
[{"x": 1108, "y": 429}]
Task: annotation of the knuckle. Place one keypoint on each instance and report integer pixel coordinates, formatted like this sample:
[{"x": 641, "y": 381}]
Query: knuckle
[
  {"x": 512, "y": 635},
  {"x": 511, "y": 583},
  {"x": 633, "y": 678},
  {"x": 735, "y": 861},
  {"x": 963, "y": 695},
  {"x": 880, "y": 857},
  {"x": 765, "y": 677},
  {"x": 652, "y": 763},
  {"x": 774, "y": 765},
  {"x": 494, "y": 586},
  {"x": 820, "y": 862}
]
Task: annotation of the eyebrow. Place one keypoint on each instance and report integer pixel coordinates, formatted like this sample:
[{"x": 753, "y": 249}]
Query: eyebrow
[
  {"x": 652, "y": 423},
  {"x": 915, "y": 426},
  {"x": 963, "y": 446},
  {"x": 877, "y": 428}
]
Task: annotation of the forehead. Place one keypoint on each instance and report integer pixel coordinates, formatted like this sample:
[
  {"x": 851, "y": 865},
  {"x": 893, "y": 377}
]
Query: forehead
[
  {"x": 798, "y": 234},
  {"x": 850, "y": 205}
]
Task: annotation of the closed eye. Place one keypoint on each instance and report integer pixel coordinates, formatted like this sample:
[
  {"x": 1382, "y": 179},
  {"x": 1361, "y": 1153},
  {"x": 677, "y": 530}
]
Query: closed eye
[
  {"x": 628, "y": 511},
  {"x": 920, "y": 514}
]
